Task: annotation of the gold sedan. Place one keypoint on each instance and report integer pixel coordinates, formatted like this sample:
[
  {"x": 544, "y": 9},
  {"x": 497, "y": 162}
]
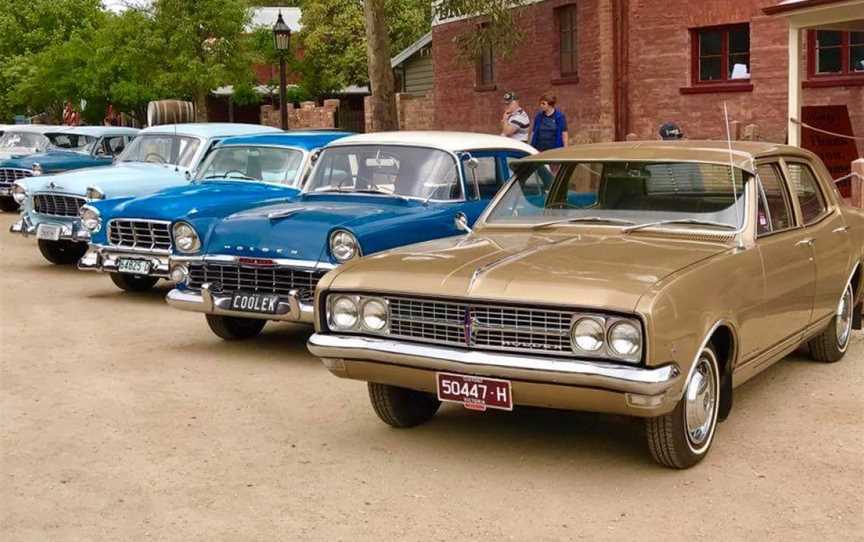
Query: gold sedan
[{"x": 646, "y": 279}]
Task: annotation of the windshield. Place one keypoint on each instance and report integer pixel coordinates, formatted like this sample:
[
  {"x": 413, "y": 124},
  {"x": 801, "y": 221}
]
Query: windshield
[
  {"x": 624, "y": 193},
  {"x": 415, "y": 172},
  {"x": 30, "y": 140},
  {"x": 272, "y": 164},
  {"x": 161, "y": 149},
  {"x": 72, "y": 142}
]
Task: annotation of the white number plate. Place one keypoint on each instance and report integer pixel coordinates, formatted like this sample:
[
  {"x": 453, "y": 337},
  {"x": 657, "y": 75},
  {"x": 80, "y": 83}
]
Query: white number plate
[
  {"x": 48, "y": 232},
  {"x": 133, "y": 267}
]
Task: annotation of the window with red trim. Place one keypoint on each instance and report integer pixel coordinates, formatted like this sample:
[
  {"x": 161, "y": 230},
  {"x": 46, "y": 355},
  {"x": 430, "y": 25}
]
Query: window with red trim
[
  {"x": 721, "y": 54},
  {"x": 567, "y": 42},
  {"x": 835, "y": 53}
]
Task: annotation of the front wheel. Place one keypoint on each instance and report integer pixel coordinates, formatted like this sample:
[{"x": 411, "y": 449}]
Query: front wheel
[
  {"x": 682, "y": 438},
  {"x": 401, "y": 407},
  {"x": 235, "y": 329},
  {"x": 8, "y": 205},
  {"x": 62, "y": 252},
  {"x": 133, "y": 283},
  {"x": 831, "y": 345}
]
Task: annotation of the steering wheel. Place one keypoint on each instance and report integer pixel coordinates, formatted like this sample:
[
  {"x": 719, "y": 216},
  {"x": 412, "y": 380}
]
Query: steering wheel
[{"x": 158, "y": 158}]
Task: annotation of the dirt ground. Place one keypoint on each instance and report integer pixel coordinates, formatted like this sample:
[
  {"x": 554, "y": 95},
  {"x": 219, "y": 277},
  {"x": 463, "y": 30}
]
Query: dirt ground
[{"x": 122, "y": 419}]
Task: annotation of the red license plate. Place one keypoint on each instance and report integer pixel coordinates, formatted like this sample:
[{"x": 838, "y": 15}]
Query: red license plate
[{"x": 474, "y": 392}]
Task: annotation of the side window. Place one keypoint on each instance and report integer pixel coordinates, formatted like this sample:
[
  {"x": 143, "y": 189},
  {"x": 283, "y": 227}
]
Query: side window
[
  {"x": 806, "y": 188},
  {"x": 483, "y": 180},
  {"x": 775, "y": 209},
  {"x": 114, "y": 145}
]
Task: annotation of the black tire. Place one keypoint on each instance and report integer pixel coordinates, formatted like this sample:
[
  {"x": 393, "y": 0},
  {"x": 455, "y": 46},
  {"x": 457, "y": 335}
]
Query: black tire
[
  {"x": 669, "y": 439},
  {"x": 401, "y": 407},
  {"x": 8, "y": 205},
  {"x": 230, "y": 328},
  {"x": 62, "y": 252},
  {"x": 133, "y": 283},
  {"x": 828, "y": 346}
]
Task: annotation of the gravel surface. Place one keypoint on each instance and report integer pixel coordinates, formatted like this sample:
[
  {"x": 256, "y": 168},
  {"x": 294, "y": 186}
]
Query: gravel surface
[{"x": 122, "y": 419}]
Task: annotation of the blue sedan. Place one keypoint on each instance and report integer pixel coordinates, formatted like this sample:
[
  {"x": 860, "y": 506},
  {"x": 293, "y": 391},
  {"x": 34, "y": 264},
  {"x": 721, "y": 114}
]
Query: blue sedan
[
  {"x": 130, "y": 238},
  {"x": 367, "y": 193}
]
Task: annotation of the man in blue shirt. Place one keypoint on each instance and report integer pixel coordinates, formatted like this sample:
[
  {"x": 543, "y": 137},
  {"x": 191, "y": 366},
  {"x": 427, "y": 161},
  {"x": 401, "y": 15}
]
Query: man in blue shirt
[{"x": 550, "y": 126}]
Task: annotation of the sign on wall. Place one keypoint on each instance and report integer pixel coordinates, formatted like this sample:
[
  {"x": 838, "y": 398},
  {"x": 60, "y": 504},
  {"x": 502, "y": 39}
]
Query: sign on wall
[{"x": 838, "y": 153}]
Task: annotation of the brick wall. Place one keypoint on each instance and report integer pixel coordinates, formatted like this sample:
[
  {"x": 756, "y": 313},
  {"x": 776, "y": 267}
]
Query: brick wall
[
  {"x": 308, "y": 115},
  {"x": 416, "y": 112},
  {"x": 657, "y": 67}
]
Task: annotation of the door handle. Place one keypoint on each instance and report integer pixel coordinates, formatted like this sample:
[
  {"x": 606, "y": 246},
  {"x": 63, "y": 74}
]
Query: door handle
[
  {"x": 803, "y": 242},
  {"x": 844, "y": 229}
]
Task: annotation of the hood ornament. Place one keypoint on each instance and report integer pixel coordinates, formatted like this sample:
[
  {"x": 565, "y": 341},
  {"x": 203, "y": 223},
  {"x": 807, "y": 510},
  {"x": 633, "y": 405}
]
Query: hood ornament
[{"x": 53, "y": 186}]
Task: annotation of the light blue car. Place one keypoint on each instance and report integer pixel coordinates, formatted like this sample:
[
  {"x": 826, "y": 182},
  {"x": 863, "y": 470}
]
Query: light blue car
[{"x": 160, "y": 157}]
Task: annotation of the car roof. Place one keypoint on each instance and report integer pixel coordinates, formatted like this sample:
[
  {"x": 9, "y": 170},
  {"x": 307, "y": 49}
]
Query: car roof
[
  {"x": 743, "y": 154},
  {"x": 35, "y": 128},
  {"x": 448, "y": 141},
  {"x": 209, "y": 129},
  {"x": 97, "y": 131},
  {"x": 300, "y": 139}
]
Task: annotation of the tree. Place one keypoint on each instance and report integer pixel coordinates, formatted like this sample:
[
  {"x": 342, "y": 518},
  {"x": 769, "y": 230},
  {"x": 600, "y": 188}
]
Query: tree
[{"x": 498, "y": 30}]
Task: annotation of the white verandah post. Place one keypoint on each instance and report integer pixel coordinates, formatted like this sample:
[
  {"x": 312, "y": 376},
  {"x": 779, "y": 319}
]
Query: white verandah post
[{"x": 794, "y": 130}]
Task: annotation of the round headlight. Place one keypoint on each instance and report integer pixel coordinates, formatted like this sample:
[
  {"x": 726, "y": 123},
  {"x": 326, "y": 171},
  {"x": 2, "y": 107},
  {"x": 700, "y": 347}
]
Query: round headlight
[
  {"x": 37, "y": 169},
  {"x": 587, "y": 335},
  {"x": 344, "y": 313},
  {"x": 90, "y": 219},
  {"x": 344, "y": 246},
  {"x": 186, "y": 238},
  {"x": 19, "y": 193},
  {"x": 625, "y": 339},
  {"x": 374, "y": 315},
  {"x": 94, "y": 193}
]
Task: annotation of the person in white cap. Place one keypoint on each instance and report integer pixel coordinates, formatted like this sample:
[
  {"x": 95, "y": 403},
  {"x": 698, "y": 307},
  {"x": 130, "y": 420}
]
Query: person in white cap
[{"x": 515, "y": 123}]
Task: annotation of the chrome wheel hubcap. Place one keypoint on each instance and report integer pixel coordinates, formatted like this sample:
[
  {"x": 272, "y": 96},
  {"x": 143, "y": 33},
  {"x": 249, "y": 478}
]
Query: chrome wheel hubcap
[
  {"x": 844, "y": 318},
  {"x": 701, "y": 398}
]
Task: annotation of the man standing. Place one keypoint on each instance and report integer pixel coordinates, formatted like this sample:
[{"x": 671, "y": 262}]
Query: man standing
[
  {"x": 550, "y": 126},
  {"x": 515, "y": 122}
]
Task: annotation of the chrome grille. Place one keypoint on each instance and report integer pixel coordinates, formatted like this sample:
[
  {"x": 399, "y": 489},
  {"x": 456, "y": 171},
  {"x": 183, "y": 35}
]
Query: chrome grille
[
  {"x": 230, "y": 277},
  {"x": 496, "y": 327},
  {"x": 57, "y": 204},
  {"x": 139, "y": 234},
  {"x": 9, "y": 175}
]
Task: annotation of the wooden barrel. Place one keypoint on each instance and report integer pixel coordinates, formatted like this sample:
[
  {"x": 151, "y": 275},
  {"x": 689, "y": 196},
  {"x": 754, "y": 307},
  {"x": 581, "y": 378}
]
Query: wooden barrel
[{"x": 170, "y": 112}]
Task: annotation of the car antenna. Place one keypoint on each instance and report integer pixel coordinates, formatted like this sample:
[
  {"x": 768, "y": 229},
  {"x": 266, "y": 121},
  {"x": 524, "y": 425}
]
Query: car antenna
[{"x": 732, "y": 174}]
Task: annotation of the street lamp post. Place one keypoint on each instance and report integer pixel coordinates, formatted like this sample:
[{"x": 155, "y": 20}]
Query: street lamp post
[{"x": 282, "y": 40}]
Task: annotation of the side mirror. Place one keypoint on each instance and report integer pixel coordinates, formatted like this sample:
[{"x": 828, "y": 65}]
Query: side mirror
[
  {"x": 314, "y": 157},
  {"x": 472, "y": 163},
  {"x": 461, "y": 223}
]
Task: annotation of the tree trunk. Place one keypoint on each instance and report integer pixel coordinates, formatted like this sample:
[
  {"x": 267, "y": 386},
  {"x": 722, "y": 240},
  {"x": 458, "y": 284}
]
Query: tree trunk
[
  {"x": 201, "y": 106},
  {"x": 381, "y": 79}
]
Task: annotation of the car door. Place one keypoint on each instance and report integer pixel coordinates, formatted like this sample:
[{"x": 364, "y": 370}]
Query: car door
[
  {"x": 788, "y": 267},
  {"x": 826, "y": 234}
]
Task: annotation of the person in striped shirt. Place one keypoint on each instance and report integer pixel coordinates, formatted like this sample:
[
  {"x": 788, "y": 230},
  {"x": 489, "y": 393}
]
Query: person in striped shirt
[{"x": 515, "y": 123}]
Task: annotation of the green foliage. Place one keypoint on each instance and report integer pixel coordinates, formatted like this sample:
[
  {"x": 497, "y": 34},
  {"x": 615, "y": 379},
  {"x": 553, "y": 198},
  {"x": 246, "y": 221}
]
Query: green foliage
[
  {"x": 333, "y": 39},
  {"x": 496, "y": 25}
]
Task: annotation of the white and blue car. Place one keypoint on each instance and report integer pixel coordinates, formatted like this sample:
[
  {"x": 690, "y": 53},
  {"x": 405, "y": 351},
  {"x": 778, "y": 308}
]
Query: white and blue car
[{"x": 160, "y": 157}]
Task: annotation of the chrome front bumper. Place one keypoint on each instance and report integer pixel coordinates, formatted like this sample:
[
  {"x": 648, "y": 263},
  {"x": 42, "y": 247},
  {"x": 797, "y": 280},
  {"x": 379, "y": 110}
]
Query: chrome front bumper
[
  {"x": 68, "y": 232},
  {"x": 537, "y": 380},
  {"x": 5, "y": 191},
  {"x": 289, "y": 308},
  {"x": 105, "y": 259}
]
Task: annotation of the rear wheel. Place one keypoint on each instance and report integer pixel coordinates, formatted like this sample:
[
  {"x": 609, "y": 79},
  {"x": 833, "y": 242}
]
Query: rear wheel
[
  {"x": 8, "y": 205},
  {"x": 831, "y": 345},
  {"x": 235, "y": 329},
  {"x": 683, "y": 437},
  {"x": 401, "y": 407},
  {"x": 133, "y": 283},
  {"x": 62, "y": 252}
]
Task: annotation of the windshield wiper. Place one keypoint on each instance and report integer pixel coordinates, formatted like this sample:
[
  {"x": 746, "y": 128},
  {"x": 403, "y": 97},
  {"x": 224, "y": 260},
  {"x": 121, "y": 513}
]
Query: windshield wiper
[
  {"x": 583, "y": 219},
  {"x": 693, "y": 221}
]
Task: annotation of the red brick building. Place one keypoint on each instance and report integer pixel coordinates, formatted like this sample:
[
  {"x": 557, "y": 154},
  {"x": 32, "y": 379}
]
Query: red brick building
[{"x": 624, "y": 67}]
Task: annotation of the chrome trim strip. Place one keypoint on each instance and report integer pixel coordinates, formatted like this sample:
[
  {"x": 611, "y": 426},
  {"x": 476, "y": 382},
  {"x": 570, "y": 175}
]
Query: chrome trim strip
[
  {"x": 666, "y": 379},
  {"x": 290, "y": 308},
  {"x": 279, "y": 262}
]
